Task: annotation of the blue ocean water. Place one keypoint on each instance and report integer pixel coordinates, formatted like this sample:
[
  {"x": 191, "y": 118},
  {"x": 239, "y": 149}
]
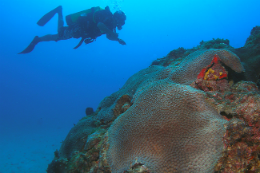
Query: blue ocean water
[{"x": 44, "y": 93}]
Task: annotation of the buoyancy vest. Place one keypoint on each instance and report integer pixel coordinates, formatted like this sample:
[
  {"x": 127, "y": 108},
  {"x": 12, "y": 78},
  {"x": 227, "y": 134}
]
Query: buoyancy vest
[{"x": 73, "y": 18}]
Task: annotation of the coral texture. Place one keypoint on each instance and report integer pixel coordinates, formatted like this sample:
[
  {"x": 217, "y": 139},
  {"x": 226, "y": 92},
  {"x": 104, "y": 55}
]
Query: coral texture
[
  {"x": 241, "y": 106},
  {"x": 169, "y": 128},
  {"x": 76, "y": 138},
  {"x": 189, "y": 68}
]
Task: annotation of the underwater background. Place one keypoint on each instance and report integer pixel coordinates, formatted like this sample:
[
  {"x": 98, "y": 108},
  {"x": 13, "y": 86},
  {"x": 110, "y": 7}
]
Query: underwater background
[{"x": 44, "y": 93}]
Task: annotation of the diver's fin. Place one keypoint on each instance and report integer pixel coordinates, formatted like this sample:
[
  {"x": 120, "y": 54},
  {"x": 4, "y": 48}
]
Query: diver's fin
[
  {"x": 80, "y": 43},
  {"x": 48, "y": 16},
  {"x": 31, "y": 46}
]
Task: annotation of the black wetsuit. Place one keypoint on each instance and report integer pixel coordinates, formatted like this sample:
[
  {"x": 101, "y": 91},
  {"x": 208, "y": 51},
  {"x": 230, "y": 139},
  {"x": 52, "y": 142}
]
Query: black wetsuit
[{"x": 86, "y": 26}]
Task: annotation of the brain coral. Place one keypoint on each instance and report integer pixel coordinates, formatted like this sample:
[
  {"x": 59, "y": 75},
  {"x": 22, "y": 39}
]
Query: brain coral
[
  {"x": 169, "y": 128},
  {"x": 191, "y": 65}
]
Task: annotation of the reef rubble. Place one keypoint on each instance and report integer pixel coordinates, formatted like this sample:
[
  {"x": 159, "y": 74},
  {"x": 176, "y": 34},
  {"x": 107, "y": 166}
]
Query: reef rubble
[{"x": 195, "y": 110}]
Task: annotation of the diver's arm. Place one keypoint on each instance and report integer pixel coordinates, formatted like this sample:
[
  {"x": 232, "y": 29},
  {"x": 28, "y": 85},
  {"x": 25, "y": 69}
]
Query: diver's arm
[{"x": 109, "y": 34}]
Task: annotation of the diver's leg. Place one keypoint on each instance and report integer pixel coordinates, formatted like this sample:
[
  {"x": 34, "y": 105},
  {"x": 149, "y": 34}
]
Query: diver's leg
[
  {"x": 37, "y": 39},
  {"x": 64, "y": 34},
  {"x": 49, "y": 37},
  {"x": 60, "y": 19},
  {"x": 45, "y": 19}
]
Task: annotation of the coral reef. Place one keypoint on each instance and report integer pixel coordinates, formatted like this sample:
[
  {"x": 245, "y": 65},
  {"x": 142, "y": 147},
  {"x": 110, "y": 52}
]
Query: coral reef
[
  {"x": 77, "y": 137},
  {"x": 190, "y": 111},
  {"x": 241, "y": 106},
  {"x": 249, "y": 55},
  {"x": 178, "y": 54},
  {"x": 58, "y": 164},
  {"x": 89, "y": 111},
  {"x": 215, "y": 44}
]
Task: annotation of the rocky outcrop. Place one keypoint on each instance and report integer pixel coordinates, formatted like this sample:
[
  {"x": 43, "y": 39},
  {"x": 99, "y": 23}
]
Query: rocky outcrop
[
  {"x": 249, "y": 55},
  {"x": 187, "y": 112}
]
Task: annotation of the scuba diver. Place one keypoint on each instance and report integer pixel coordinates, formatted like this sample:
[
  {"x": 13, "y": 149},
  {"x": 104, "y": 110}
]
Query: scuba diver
[{"x": 87, "y": 25}]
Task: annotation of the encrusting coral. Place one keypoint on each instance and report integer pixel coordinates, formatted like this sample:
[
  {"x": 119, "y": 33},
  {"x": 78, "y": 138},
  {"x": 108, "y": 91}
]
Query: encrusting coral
[
  {"x": 187, "y": 114},
  {"x": 168, "y": 129}
]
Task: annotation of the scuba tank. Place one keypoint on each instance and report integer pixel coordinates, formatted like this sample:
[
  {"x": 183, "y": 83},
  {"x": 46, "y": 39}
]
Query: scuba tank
[{"x": 73, "y": 18}]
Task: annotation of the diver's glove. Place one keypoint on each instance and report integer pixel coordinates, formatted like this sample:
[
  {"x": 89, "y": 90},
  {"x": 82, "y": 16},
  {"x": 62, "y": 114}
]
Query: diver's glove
[
  {"x": 89, "y": 40},
  {"x": 120, "y": 41}
]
